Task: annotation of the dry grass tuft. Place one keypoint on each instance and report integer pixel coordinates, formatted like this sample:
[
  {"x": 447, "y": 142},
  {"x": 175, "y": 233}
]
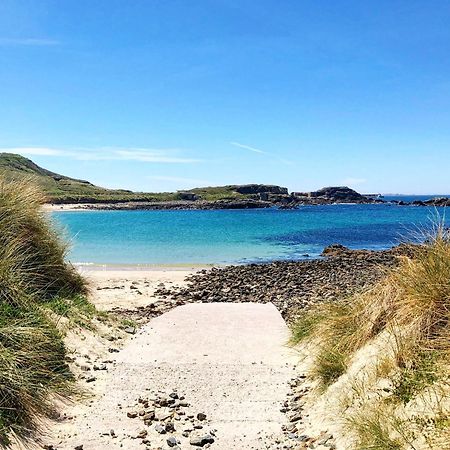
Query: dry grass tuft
[
  {"x": 31, "y": 251},
  {"x": 33, "y": 272},
  {"x": 412, "y": 306},
  {"x": 374, "y": 432}
]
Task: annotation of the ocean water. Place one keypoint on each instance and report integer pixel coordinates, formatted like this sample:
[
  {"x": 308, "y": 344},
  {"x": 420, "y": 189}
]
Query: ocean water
[{"x": 236, "y": 236}]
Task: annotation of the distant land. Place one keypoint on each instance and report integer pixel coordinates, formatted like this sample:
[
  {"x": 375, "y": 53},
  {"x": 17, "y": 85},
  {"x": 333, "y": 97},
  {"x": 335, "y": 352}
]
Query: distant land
[{"x": 64, "y": 190}]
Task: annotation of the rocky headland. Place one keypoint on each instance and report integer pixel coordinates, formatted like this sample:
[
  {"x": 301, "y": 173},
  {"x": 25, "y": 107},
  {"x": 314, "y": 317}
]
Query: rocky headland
[{"x": 251, "y": 196}]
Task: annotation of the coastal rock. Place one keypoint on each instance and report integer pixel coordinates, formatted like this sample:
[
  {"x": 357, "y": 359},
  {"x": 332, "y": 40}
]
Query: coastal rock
[
  {"x": 172, "y": 441},
  {"x": 340, "y": 194},
  {"x": 335, "y": 250},
  {"x": 260, "y": 188},
  {"x": 438, "y": 201},
  {"x": 201, "y": 441}
]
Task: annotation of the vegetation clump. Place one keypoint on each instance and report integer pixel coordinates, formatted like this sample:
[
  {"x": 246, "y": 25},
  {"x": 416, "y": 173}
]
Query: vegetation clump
[
  {"x": 407, "y": 315},
  {"x": 33, "y": 275}
]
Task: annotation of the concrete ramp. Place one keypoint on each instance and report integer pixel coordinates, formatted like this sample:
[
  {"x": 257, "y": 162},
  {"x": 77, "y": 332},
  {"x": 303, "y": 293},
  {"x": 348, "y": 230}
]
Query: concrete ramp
[{"x": 230, "y": 361}]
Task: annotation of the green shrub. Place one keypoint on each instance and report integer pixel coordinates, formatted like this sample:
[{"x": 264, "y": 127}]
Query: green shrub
[
  {"x": 305, "y": 325},
  {"x": 374, "y": 432},
  {"x": 415, "y": 375}
]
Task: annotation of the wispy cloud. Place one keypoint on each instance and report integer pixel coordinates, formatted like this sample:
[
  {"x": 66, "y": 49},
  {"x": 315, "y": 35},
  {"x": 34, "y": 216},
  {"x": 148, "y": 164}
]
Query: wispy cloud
[
  {"x": 261, "y": 152},
  {"x": 164, "y": 156},
  {"x": 152, "y": 155},
  {"x": 31, "y": 42},
  {"x": 247, "y": 147},
  {"x": 353, "y": 181}
]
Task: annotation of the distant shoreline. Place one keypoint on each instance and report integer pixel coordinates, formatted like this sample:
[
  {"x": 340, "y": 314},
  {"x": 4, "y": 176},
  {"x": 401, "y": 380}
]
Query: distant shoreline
[
  {"x": 135, "y": 267},
  {"x": 221, "y": 205}
]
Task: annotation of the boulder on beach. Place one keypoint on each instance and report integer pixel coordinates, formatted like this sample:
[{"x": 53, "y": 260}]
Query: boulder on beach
[{"x": 335, "y": 250}]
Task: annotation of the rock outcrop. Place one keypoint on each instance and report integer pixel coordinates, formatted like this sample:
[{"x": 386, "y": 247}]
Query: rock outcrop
[
  {"x": 333, "y": 194},
  {"x": 260, "y": 188},
  {"x": 436, "y": 201}
]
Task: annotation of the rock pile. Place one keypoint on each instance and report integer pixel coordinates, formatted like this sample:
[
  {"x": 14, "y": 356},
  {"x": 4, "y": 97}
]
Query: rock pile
[
  {"x": 145, "y": 313},
  {"x": 290, "y": 286},
  {"x": 296, "y": 432},
  {"x": 170, "y": 416}
]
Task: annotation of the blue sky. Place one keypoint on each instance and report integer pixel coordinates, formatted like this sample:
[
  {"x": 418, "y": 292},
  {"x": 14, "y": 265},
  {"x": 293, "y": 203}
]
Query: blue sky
[{"x": 171, "y": 94}]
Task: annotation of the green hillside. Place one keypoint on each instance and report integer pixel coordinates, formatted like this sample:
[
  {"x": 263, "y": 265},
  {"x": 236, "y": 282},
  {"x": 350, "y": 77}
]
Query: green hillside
[{"x": 63, "y": 189}]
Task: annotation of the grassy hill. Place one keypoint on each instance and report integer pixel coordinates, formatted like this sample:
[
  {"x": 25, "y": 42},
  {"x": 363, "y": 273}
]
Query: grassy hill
[{"x": 62, "y": 189}]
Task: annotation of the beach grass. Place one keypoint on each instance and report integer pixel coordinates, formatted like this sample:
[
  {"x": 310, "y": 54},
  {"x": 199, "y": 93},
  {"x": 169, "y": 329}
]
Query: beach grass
[
  {"x": 410, "y": 309},
  {"x": 34, "y": 279}
]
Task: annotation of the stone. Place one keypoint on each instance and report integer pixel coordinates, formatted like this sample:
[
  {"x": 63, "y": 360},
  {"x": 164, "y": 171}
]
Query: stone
[
  {"x": 142, "y": 434},
  {"x": 201, "y": 416},
  {"x": 160, "y": 429},
  {"x": 162, "y": 415},
  {"x": 325, "y": 439},
  {"x": 169, "y": 427},
  {"x": 149, "y": 415},
  {"x": 295, "y": 417},
  {"x": 172, "y": 441},
  {"x": 201, "y": 441}
]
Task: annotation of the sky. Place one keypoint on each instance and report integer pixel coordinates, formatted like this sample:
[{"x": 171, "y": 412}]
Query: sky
[{"x": 161, "y": 95}]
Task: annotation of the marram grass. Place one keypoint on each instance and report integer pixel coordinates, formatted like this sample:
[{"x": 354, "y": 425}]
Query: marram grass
[
  {"x": 33, "y": 272},
  {"x": 412, "y": 305}
]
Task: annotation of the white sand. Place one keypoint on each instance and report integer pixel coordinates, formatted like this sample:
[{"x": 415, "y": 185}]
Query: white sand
[{"x": 111, "y": 287}]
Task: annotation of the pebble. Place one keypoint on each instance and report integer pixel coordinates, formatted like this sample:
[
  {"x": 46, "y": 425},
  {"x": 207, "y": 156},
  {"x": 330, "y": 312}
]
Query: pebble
[
  {"x": 201, "y": 441},
  {"x": 172, "y": 441},
  {"x": 160, "y": 429}
]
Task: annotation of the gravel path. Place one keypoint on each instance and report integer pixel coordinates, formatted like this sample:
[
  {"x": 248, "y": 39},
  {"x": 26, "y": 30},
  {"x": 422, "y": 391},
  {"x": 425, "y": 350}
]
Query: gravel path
[{"x": 227, "y": 361}]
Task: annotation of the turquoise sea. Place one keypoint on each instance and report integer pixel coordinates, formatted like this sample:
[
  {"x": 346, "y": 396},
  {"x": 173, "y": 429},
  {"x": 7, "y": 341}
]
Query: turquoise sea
[{"x": 236, "y": 236}]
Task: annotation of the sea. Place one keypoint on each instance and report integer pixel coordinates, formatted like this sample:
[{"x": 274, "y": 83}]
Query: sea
[{"x": 238, "y": 236}]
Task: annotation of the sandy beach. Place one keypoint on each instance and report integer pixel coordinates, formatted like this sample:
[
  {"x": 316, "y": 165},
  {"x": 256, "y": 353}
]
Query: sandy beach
[
  {"x": 131, "y": 286},
  {"x": 66, "y": 207}
]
